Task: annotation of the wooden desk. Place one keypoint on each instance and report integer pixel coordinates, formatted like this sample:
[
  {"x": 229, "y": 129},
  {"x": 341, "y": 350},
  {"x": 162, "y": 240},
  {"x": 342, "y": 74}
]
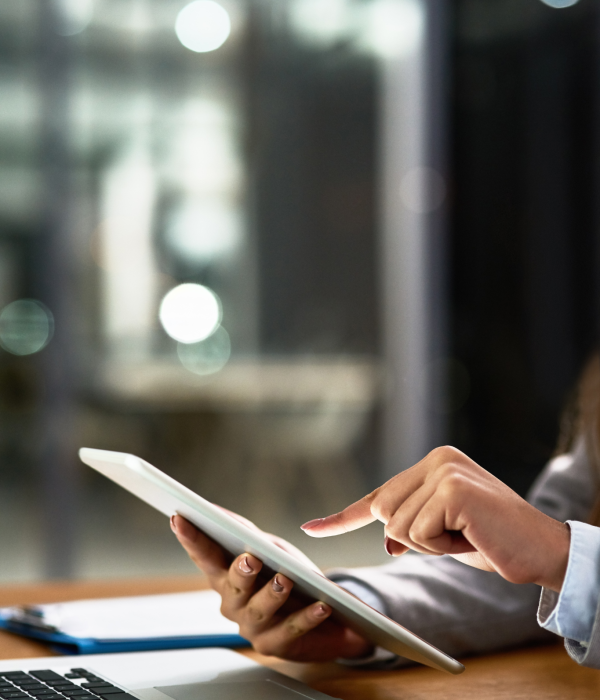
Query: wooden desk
[{"x": 544, "y": 673}]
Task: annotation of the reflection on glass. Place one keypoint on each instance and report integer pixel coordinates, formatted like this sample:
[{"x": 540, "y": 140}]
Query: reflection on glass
[
  {"x": 203, "y": 26},
  {"x": 26, "y": 327},
  {"x": 190, "y": 313},
  {"x": 207, "y": 357}
]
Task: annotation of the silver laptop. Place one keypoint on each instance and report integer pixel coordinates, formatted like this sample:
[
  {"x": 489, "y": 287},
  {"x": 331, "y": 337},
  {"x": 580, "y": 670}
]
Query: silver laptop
[{"x": 191, "y": 674}]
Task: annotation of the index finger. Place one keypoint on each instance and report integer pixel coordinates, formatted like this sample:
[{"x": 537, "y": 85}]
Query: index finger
[{"x": 351, "y": 518}]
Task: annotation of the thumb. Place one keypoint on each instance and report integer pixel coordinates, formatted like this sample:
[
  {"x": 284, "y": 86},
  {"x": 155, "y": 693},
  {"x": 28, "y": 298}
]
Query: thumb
[{"x": 351, "y": 518}]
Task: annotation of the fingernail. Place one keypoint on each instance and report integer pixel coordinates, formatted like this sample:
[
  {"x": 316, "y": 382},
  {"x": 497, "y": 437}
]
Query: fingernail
[
  {"x": 245, "y": 566},
  {"x": 277, "y": 587},
  {"x": 173, "y": 526},
  {"x": 311, "y": 523},
  {"x": 321, "y": 610},
  {"x": 386, "y": 544}
]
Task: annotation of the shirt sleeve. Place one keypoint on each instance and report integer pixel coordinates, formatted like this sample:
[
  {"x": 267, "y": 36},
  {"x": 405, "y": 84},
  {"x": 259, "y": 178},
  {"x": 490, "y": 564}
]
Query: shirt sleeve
[
  {"x": 459, "y": 609},
  {"x": 463, "y": 610},
  {"x": 571, "y": 613},
  {"x": 567, "y": 487},
  {"x": 380, "y": 657},
  {"x": 367, "y": 595}
]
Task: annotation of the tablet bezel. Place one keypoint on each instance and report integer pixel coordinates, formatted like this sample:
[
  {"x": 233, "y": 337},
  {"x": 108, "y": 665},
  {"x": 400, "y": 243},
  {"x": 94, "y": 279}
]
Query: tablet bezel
[{"x": 170, "y": 497}]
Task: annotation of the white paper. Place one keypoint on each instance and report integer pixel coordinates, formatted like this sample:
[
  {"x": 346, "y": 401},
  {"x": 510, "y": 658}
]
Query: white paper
[{"x": 137, "y": 617}]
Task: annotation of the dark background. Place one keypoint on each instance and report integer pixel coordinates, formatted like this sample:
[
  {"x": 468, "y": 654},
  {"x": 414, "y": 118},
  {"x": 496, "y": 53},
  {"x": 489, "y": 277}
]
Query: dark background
[
  {"x": 523, "y": 255},
  {"x": 523, "y": 236}
]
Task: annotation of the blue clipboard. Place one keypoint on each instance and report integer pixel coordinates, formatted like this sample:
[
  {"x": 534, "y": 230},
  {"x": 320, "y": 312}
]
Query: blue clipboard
[{"x": 65, "y": 644}]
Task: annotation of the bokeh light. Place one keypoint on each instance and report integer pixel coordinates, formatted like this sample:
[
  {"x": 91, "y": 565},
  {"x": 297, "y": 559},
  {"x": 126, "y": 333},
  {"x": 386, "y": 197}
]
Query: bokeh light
[
  {"x": 203, "y": 229},
  {"x": 559, "y": 4},
  {"x": 207, "y": 357},
  {"x": 392, "y": 28},
  {"x": 190, "y": 313},
  {"x": 73, "y": 16},
  {"x": 26, "y": 327},
  {"x": 203, "y": 26},
  {"x": 320, "y": 22}
]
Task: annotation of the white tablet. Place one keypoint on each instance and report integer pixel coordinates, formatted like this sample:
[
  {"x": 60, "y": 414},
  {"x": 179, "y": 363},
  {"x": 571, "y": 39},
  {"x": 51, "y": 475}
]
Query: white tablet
[{"x": 170, "y": 497}]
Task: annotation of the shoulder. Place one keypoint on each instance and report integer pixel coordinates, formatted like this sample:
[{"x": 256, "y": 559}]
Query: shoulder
[{"x": 566, "y": 488}]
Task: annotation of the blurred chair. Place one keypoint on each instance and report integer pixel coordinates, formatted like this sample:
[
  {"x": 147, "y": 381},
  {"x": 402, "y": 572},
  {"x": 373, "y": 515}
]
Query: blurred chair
[{"x": 283, "y": 443}]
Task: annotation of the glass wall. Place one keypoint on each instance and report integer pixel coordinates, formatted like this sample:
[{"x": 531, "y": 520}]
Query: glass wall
[{"x": 189, "y": 253}]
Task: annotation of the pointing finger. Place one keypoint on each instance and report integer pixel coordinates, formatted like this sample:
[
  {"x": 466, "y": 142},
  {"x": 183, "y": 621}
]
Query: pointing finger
[{"x": 351, "y": 518}]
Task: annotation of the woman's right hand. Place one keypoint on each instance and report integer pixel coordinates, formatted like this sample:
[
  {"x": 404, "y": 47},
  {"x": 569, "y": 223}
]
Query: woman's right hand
[
  {"x": 263, "y": 611},
  {"x": 448, "y": 504}
]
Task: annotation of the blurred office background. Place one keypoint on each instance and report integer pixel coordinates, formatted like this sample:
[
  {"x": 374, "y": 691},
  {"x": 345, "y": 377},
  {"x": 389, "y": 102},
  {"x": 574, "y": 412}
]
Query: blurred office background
[{"x": 281, "y": 249}]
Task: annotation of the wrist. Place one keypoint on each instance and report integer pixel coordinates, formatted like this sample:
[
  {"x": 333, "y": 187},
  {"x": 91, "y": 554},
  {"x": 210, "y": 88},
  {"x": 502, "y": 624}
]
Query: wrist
[{"x": 558, "y": 546}]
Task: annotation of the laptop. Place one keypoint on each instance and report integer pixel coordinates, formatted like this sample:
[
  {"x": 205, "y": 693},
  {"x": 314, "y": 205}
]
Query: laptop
[{"x": 190, "y": 674}]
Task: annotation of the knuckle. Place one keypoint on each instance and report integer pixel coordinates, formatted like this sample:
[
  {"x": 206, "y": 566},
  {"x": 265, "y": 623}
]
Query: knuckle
[
  {"x": 447, "y": 470},
  {"x": 445, "y": 453},
  {"x": 382, "y": 509},
  {"x": 254, "y": 614},
  {"x": 454, "y": 483},
  {"x": 232, "y": 589},
  {"x": 370, "y": 497},
  {"x": 294, "y": 628},
  {"x": 395, "y": 530},
  {"x": 417, "y": 533}
]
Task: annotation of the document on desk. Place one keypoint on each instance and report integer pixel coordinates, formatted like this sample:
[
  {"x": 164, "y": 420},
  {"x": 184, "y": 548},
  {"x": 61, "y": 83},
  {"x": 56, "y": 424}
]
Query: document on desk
[{"x": 135, "y": 623}]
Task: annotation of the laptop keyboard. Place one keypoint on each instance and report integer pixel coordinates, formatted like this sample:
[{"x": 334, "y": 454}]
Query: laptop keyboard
[{"x": 78, "y": 684}]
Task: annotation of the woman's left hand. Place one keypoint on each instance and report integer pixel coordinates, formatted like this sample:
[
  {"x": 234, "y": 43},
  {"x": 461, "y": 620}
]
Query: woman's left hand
[{"x": 268, "y": 613}]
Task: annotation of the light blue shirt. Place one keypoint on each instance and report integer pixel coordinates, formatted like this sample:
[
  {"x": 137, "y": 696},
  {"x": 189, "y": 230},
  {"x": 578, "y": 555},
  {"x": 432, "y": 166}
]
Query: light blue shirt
[{"x": 571, "y": 613}]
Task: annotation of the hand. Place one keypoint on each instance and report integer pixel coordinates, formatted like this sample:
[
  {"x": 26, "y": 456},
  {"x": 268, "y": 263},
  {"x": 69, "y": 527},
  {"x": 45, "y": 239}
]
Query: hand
[
  {"x": 447, "y": 504},
  {"x": 279, "y": 541},
  {"x": 268, "y": 615}
]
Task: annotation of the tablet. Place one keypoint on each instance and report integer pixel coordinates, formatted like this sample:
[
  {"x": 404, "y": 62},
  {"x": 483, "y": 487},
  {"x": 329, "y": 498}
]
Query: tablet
[{"x": 170, "y": 497}]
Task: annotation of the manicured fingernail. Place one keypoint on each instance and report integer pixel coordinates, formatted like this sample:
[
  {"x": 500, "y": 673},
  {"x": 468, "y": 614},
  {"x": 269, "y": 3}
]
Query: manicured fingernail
[
  {"x": 321, "y": 610},
  {"x": 311, "y": 523},
  {"x": 277, "y": 587},
  {"x": 245, "y": 566},
  {"x": 173, "y": 526},
  {"x": 386, "y": 544}
]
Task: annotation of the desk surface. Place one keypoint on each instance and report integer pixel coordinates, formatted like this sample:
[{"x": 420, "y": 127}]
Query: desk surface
[{"x": 528, "y": 674}]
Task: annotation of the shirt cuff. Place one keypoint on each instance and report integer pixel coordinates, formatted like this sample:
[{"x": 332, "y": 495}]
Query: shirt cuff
[{"x": 571, "y": 613}]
